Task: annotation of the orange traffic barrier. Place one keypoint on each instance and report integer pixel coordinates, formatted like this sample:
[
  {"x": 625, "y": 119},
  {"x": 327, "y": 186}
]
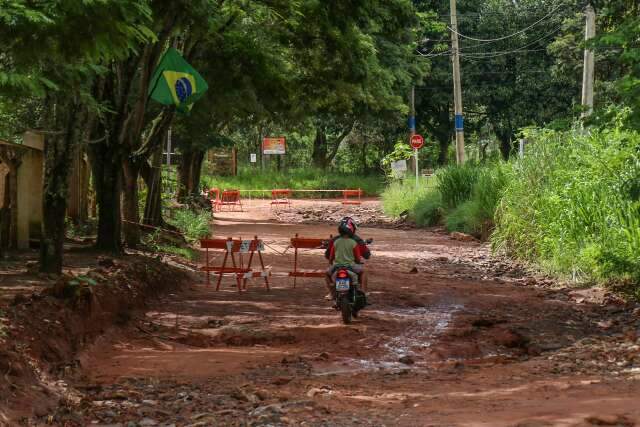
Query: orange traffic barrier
[
  {"x": 231, "y": 247},
  {"x": 280, "y": 197},
  {"x": 305, "y": 243},
  {"x": 351, "y": 193},
  {"x": 230, "y": 198},
  {"x": 214, "y": 197}
]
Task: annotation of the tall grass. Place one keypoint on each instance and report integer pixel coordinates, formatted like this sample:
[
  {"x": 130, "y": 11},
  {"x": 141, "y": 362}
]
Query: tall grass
[
  {"x": 400, "y": 197},
  {"x": 194, "y": 225},
  {"x": 462, "y": 197},
  {"x": 297, "y": 179},
  {"x": 571, "y": 205},
  {"x": 455, "y": 183}
]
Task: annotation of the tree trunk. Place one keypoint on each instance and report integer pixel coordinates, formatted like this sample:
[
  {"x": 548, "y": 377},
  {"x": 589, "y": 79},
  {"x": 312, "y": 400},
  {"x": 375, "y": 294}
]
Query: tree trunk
[
  {"x": 189, "y": 172},
  {"x": 184, "y": 176},
  {"x": 107, "y": 180},
  {"x": 130, "y": 211},
  {"x": 152, "y": 176},
  {"x": 505, "y": 143},
  {"x": 77, "y": 202},
  {"x": 319, "y": 154},
  {"x": 363, "y": 155},
  {"x": 196, "y": 172},
  {"x": 57, "y": 156},
  {"x": 444, "y": 151}
]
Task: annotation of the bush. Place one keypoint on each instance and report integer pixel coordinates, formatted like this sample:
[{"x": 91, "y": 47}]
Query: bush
[
  {"x": 465, "y": 218},
  {"x": 428, "y": 210},
  {"x": 401, "y": 197},
  {"x": 194, "y": 225},
  {"x": 489, "y": 188},
  {"x": 455, "y": 183},
  {"x": 571, "y": 205}
]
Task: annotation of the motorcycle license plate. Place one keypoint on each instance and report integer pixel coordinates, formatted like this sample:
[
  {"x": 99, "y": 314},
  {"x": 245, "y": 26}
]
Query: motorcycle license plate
[{"x": 342, "y": 284}]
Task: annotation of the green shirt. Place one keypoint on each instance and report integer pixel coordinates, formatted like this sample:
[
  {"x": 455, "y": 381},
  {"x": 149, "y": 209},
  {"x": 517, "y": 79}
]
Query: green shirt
[{"x": 344, "y": 247}]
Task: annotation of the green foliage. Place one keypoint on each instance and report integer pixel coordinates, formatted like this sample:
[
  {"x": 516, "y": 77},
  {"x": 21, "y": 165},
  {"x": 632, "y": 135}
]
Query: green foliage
[
  {"x": 300, "y": 179},
  {"x": 465, "y": 218},
  {"x": 194, "y": 225},
  {"x": 455, "y": 183},
  {"x": 463, "y": 197},
  {"x": 488, "y": 189},
  {"x": 400, "y": 198},
  {"x": 401, "y": 151},
  {"x": 428, "y": 210},
  {"x": 572, "y": 205},
  {"x": 187, "y": 253}
]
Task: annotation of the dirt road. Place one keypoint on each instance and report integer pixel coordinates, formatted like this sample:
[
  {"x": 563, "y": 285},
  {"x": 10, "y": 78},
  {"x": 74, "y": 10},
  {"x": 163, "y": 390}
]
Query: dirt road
[{"x": 452, "y": 338}]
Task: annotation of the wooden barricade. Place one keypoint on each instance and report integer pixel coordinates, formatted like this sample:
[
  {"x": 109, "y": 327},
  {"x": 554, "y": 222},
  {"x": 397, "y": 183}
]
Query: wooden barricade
[
  {"x": 346, "y": 194},
  {"x": 231, "y": 247},
  {"x": 306, "y": 243},
  {"x": 230, "y": 198},
  {"x": 280, "y": 197}
]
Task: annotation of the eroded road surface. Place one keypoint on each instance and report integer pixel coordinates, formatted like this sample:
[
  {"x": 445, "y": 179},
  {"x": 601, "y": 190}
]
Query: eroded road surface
[{"x": 452, "y": 338}]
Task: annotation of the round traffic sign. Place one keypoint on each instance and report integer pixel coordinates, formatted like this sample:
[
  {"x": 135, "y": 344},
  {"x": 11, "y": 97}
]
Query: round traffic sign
[{"x": 417, "y": 141}]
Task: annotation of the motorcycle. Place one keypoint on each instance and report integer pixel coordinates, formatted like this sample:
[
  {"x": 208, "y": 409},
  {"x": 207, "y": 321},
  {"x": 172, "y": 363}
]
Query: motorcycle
[{"x": 349, "y": 299}]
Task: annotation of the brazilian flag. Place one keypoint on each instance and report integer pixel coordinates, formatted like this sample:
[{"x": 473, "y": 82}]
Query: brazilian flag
[{"x": 176, "y": 82}]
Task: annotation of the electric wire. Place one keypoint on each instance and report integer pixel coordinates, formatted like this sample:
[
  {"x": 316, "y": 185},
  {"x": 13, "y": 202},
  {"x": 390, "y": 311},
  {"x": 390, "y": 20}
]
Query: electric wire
[{"x": 510, "y": 35}]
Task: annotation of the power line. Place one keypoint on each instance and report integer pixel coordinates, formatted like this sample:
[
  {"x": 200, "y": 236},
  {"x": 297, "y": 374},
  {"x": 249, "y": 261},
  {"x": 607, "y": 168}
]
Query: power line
[
  {"x": 520, "y": 49},
  {"x": 510, "y": 35}
]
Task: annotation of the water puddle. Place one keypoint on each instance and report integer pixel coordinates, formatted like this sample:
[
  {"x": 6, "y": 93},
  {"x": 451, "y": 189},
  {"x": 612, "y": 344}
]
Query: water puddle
[{"x": 422, "y": 327}]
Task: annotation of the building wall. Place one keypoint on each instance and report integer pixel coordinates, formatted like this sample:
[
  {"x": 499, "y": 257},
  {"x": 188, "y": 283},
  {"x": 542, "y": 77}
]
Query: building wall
[
  {"x": 30, "y": 183},
  {"x": 4, "y": 170}
]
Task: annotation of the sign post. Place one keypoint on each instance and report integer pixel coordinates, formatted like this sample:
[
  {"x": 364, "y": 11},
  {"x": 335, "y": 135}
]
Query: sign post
[
  {"x": 417, "y": 141},
  {"x": 168, "y": 159}
]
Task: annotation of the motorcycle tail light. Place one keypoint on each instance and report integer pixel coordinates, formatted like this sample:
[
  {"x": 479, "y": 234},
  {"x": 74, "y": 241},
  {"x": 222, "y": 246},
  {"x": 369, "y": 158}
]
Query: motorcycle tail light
[{"x": 343, "y": 274}]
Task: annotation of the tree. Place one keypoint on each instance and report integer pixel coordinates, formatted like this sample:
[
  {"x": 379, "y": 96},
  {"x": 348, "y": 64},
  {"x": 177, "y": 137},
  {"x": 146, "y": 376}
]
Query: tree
[
  {"x": 617, "y": 44},
  {"x": 53, "y": 54},
  {"x": 355, "y": 58}
]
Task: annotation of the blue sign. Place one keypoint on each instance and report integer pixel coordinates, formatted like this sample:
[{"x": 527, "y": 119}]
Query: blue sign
[
  {"x": 459, "y": 123},
  {"x": 412, "y": 123}
]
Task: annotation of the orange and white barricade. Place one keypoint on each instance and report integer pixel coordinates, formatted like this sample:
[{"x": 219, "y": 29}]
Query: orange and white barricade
[
  {"x": 233, "y": 248},
  {"x": 306, "y": 243}
]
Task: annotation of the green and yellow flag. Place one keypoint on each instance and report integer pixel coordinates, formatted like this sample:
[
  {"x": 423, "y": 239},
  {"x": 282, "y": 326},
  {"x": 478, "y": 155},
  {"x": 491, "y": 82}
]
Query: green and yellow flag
[{"x": 176, "y": 82}]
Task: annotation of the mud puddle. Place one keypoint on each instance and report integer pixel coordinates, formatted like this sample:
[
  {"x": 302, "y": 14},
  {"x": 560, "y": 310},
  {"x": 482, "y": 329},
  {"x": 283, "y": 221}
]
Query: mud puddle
[{"x": 408, "y": 350}]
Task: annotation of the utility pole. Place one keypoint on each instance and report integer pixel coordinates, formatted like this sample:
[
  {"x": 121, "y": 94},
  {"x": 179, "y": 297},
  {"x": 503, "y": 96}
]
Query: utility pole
[
  {"x": 457, "y": 88},
  {"x": 588, "y": 75},
  {"x": 412, "y": 128},
  {"x": 412, "y": 116}
]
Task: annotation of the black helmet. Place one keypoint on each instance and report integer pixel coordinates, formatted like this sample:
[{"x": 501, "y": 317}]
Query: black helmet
[{"x": 347, "y": 226}]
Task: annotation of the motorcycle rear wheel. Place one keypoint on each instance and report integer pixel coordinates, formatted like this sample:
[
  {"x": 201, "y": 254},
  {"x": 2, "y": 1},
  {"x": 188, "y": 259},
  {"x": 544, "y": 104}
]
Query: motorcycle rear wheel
[{"x": 345, "y": 308}]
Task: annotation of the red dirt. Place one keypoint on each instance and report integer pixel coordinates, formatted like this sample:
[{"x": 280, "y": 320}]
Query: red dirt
[{"x": 452, "y": 338}]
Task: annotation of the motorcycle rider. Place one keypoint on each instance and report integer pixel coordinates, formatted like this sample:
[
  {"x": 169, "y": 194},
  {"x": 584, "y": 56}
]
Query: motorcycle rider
[
  {"x": 346, "y": 250},
  {"x": 348, "y": 223}
]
